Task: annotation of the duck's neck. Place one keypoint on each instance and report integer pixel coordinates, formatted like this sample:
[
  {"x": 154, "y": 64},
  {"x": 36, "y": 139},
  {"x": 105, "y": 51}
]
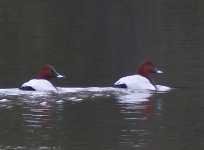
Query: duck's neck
[
  {"x": 43, "y": 77},
  {"x": 152, "y": 82}
]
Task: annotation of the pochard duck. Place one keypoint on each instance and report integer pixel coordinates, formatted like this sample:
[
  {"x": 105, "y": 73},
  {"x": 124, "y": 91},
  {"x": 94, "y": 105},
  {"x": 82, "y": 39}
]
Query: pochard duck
[
  {"x": 142, "y": 80},
  {"x": 42, "y": 80}
]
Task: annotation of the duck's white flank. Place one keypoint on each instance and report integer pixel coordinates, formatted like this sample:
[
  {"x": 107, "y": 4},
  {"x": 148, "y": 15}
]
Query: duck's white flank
[
  {"x": 40, "y": 85},
  {"x": 139, "y": 82}
]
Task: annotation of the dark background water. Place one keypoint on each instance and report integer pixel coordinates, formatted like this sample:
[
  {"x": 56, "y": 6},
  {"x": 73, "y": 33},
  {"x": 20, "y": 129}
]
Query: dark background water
[{"x": 94, "y": 42}]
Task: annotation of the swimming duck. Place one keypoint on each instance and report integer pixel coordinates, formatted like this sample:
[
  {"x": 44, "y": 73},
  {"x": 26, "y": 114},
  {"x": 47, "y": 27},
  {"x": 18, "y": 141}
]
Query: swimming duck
[
  {"x": 142, "y": 80},
  {"x": 42, "y": 80}
]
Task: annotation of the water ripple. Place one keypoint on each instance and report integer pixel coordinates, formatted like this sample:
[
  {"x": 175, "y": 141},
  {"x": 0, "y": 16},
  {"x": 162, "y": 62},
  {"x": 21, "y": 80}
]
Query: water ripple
[{"x": 43, "y": 115}]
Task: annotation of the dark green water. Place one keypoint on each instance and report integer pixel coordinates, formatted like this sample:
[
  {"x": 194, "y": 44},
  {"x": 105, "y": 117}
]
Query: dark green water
[{"x": 94, "y": 43}]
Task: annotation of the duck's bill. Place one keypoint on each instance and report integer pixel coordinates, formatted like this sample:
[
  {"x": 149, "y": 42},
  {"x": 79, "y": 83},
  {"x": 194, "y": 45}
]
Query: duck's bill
[
  {"x": 158, "y": 71},
  {"x": 59, "y": 76}
]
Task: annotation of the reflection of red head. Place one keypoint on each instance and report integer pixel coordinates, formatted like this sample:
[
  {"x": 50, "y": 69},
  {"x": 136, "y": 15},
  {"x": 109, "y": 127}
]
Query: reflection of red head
[{"x": 149, "y": 108}]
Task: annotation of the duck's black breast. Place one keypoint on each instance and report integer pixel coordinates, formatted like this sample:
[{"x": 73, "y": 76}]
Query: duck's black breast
[
  {"x": 27, "y": 88},
  {"x": 120, "y": 86}
]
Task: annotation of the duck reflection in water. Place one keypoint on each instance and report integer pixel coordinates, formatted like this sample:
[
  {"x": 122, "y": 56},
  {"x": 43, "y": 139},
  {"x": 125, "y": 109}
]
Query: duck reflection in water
[{"x": 139, "y": 111}]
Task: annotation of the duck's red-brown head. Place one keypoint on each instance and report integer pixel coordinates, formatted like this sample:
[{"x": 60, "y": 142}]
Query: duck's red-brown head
[
  {"x": 147, "y": 68},
  {"x": 48, "y": 72}
]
